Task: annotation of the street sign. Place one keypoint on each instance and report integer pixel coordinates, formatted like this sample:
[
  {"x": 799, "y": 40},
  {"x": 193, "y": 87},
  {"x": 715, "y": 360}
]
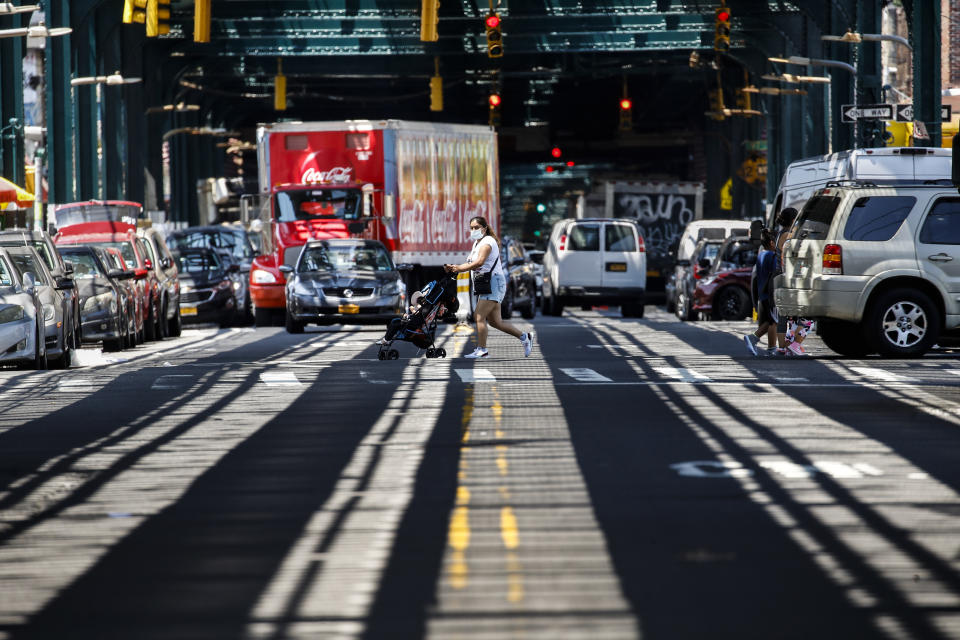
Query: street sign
[
  {"x": 854, "y": 112},
  {"x": 905, "y": 112}
]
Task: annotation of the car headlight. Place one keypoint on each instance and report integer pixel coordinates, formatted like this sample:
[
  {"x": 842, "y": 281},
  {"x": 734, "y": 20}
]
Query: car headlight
[
  {"x": 391, "y": 289},
  {"x": 259, "y": 276},
  {"x": 48, "y": 313},
  {"x": 224, "y": 285},
  {"x": 11, "y": 314},
  {"x": 237, "y": 285}
]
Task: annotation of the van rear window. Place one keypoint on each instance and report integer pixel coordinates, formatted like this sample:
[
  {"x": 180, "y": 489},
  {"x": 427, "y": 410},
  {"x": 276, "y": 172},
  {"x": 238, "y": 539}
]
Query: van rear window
[
  {"x": 584, "y": 237},
  {"x": 619, "y": 237},
  {"x": 816, "y": 217},
  {"x": 877, "y": 218}
]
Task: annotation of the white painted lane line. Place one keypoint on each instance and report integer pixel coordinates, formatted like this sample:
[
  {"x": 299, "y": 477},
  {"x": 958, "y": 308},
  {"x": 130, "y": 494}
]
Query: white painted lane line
[
  {"x": 280, "y": 379},
  {"x": 173, "y": 381},
  {"x": 681, "y": 373},
  {"x": 586, "y": 375},
  {"x": 881, "y": 374},
  {"x": 75, "y": 384},
  {"x": 475, "y": 375}
]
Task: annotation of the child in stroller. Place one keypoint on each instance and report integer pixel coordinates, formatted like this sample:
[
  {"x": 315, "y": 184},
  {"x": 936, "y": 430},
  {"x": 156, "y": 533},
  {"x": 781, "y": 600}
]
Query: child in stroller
[{"x": 419, "y": 325}]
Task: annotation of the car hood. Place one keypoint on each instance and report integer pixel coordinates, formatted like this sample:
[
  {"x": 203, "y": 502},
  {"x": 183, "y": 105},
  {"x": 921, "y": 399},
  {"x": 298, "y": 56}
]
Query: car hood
[{"x": 348, "y": 279}]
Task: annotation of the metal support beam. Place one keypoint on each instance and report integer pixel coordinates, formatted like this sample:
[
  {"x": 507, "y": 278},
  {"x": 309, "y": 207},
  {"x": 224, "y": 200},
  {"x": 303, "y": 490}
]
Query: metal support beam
[
  {"x": 88, "y": 163},
  {"x": 59, "y": 113},
  {"x": 925, "y": 38},
  {"x": 11, "y": 104},
  {"x": 113, "y": 108},
  {"x": 868, "y": 70}
]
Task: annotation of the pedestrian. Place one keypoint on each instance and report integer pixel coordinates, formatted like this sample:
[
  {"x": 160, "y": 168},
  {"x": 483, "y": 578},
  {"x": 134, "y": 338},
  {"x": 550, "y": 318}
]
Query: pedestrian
[
  {"x": 766, "y": 312},
  {"x": 485, "y": 259},
  {"x": 785, "y": 231}
]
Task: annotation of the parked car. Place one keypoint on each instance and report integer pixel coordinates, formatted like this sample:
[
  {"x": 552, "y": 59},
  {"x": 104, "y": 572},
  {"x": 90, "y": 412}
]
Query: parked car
[
  {"x": 724, "y": 292},
  {"x": 233, "y": 244},
  {"x": 206, "y": 288},
  {"x": 877, "y": 267},
  {"x": 595, "y": 261},
  {"x": 102, "y": 312},
  {"x": 713, "y": 229},
  {"x": 522, "y": 281},
  {"x": 340, "y": 280},
  {"x": 41, "y": 241},
  {"x": 688, "y": 273},
  {"x": 56, "y": 307},
  {"x": 21, "y": 318},
  {"x": 133, "y": 295},
  {"x": 165, "y": 268},
  {"x": 113, "y": 224}
]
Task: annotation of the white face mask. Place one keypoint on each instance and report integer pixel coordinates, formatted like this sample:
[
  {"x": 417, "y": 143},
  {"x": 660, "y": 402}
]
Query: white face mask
[{"x": 476, "y": 234}]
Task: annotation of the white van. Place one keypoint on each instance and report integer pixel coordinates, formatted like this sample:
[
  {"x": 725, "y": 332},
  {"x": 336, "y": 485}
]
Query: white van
[
  {"x": 882, "y": 166},
  {"x": 594, "y": 261}
]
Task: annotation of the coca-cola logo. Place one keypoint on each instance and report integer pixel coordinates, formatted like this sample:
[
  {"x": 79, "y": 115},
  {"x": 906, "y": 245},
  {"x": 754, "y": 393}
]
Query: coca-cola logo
[{"x": 337, "y": 174}]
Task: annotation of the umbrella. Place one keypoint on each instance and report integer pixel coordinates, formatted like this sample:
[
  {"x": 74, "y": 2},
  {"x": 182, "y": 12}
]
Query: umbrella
[{"x": 11, "y": 193}]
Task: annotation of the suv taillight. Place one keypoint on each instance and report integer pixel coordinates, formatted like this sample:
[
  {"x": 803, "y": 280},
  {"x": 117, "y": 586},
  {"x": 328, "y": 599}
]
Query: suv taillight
[
  {"x": 832, "y": 260},
  {"x": 562, "y": 245},
  {"x": 640, "y": 246}
]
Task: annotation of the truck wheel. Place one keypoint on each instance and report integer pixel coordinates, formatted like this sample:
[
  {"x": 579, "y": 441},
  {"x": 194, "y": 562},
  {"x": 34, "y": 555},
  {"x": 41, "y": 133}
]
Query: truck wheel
[
  {"x": 506, "y": 307},
  {"x": 730, "y": 304},
  {"x": 262, "y": 317},
  {"x": 902, "y": 323},
  {"x": 845, "y": 338}
]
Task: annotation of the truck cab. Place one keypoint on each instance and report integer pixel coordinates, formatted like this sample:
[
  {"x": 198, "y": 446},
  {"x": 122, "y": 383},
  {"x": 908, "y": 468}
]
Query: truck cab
[{"x": 287, "y": 218}]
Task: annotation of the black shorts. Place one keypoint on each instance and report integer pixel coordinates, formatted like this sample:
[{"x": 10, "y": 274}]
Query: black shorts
[{"x": 765, "y": 312}]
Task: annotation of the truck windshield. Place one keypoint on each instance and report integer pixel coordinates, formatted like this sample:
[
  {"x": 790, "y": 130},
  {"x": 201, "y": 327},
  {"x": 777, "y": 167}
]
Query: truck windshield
[{"x": 317, "y": 203}]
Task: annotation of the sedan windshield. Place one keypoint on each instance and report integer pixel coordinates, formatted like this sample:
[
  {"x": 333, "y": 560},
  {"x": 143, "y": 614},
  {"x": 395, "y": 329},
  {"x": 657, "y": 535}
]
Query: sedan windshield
[{"x": 345, "y": 258}]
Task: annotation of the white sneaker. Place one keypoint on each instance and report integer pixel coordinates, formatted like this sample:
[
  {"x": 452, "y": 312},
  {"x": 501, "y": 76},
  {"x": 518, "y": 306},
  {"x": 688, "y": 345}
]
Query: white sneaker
[
  {"x": 527, "y": 341},
  {"x": 477, "y": 353}
]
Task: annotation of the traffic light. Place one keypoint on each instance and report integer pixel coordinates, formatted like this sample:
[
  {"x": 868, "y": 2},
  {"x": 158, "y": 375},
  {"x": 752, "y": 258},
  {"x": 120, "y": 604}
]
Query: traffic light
[
  {"x": 429, "y": 18},
  {"x": 436, "y": 93},
  {"x": 626, "y": 114},
  {"x": 201, "y": 20},
  {"x": 134, "y": 11},
  {"x": 158, "y": 18},
  {"x": 541, "y": 208},
  {"x": 494, "y": 102},
  {"x": 556, "y": 152},
  {"x": 721, "y": 30},
  {"x": 494, "y": 36}
]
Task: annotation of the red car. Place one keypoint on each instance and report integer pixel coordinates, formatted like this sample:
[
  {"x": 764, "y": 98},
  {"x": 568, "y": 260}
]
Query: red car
[
  {"x": 723, "y": 293},
  {"x": 112, "y": 224}
]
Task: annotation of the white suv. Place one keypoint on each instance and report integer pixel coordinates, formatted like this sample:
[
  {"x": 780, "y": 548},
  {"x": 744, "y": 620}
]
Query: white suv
[
  {"x": 879, "y": 267},
  {"x": 594, "y": 261}
]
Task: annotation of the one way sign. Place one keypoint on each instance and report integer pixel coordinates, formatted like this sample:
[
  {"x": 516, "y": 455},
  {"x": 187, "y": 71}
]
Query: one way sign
[
  {"x": 905, "y": 112},
  {"x": 854, "y": 112}
]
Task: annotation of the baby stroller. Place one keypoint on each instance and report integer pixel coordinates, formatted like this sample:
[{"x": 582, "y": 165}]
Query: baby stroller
[{"x": 419, "y": 326}]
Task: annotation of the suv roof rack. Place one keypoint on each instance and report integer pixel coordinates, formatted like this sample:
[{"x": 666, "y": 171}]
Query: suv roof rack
[{"x": 849, "y": 183}]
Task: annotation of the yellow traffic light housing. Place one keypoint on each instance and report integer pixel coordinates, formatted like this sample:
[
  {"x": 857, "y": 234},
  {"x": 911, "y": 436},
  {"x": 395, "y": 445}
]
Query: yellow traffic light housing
[
  {"x": 429, "y": 19},
  {"x": 201, "y": 20},
  {"x": 135, "y": 11},
  {"x": 494, "y": 28},
  {"x": 721, "y": 29},
  {"x": 436, "y": 88},
  {"x": 279, "y": 88},
  {"x": 158, "y": 18}
]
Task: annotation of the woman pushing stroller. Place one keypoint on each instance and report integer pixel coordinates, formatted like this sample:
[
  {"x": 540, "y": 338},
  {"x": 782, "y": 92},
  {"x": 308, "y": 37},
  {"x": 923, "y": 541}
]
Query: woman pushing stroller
[{"x": 485, "y": 261}]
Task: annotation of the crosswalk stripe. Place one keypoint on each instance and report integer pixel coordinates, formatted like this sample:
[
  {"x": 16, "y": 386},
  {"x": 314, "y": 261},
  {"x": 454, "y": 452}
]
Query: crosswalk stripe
[
  {"x": 586, "y": 375},
  {"x": 880, "y": 374},
  {"x": 475, "y": 375},
  {"x": 280, "y": 379},
  {"x": 75, "y": 384},
  {"x": 682, "y": 373}
]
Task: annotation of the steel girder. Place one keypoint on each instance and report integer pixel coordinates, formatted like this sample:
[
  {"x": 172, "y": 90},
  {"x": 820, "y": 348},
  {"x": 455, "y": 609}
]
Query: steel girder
[
  {"x": 60, "y": 156},
  {"x": 11, "y": 103}
]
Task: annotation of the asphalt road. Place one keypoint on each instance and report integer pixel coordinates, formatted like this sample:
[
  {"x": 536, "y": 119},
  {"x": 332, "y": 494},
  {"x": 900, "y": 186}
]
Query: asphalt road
[{"x": 631, "y": 479}]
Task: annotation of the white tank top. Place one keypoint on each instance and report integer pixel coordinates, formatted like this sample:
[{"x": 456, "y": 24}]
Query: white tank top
[{"x": 491, "y": 259}]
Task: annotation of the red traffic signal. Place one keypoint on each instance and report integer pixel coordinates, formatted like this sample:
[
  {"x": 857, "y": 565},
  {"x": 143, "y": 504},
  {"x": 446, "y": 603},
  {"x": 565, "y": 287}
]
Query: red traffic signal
[
  {"x": 494, "y": 99},
  {"x": 556, "y": 152},
  {"x": 626, "y": 104},
  {"x": 723, "y": 15},
  {"x": 549, "y": 168},
  {"x": 570, "y": 163},
  {"x": 493, "y": 21}
]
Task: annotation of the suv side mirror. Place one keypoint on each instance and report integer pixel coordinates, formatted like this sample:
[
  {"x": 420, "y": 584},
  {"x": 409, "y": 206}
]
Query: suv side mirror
[{"x": 285, "y": 268}]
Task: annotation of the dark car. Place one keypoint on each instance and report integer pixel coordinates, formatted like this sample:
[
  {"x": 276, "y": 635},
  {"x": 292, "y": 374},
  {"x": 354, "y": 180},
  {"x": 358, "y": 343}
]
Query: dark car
[
  {"x": 724, "y": 292},
  {"x": 340, "y": 280},
  {"x": 102, "y": 297},
  {"x": 206, "y": 287},
  {"x": 165, "y": 268},
  {"x": 44, "y": 246},
  {"x": 522, "y": 283},
  {"x": 233, "y": 244},
  {"x": 688, "y": 273}
]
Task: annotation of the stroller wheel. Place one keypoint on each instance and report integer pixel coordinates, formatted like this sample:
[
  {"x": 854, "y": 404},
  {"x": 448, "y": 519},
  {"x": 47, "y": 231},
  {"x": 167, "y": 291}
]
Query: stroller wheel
[
  {"x": 381, "y": 355},
  {"x": 431, "y": 353},
  {"x": 393, "y": 354},
  {"x": 441, "y": 352}
]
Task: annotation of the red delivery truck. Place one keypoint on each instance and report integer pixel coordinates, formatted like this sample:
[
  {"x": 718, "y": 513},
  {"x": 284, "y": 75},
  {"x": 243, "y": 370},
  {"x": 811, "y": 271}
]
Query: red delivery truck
[{"x": 411, "y": 185}]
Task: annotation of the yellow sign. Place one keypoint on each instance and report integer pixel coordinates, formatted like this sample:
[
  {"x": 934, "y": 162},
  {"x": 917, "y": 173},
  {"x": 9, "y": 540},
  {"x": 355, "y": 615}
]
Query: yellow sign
[
  {"x": 753, "y": 170},
  {"x": 726, "y": 195},
  {"x": 349, "y": 308}
]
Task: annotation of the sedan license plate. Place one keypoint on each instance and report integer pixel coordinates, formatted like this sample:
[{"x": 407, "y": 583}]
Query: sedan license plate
[
  {"x": 617, "y": 266},
  {"x": 349, "y": 308},
  {"x": 188, "y": 311}
]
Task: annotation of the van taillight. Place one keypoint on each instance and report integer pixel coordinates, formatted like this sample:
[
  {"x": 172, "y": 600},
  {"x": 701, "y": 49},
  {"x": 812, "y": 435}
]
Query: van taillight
[
  {"x": 832, "y": 260},
  {"x": 562, "y": 245},
  {"x": 640, "y": 246}
]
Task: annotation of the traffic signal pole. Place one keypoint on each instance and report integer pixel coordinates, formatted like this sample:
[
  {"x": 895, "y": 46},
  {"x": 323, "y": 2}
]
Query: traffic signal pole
[{"x": 59, "y": 110}]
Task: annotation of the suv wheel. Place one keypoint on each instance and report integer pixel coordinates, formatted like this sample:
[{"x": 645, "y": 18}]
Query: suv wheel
[
  {"x": 529, "y": 311},
  {"x": 903, "y": 323},
  {"x": 845, "y": 338},
  {"x": 730, "y": 304}
]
